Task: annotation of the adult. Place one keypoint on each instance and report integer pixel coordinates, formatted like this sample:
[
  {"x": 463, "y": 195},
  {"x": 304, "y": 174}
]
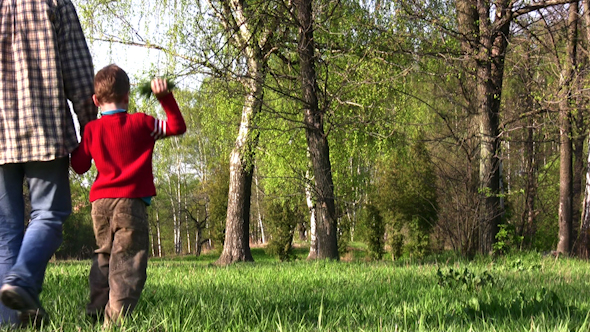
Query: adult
[{"x": 44, "y": 62}]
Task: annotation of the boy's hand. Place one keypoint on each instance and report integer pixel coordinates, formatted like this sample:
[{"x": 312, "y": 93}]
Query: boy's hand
[{"x": 160, "y": 87}]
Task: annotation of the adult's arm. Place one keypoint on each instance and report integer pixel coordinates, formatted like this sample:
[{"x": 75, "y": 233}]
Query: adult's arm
[{"x": 76, "y": 62}]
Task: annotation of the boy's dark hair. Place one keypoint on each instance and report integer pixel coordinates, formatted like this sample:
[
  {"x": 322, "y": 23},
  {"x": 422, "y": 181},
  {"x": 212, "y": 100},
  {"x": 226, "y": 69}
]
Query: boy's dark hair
[{"x": 111, "y": 84}]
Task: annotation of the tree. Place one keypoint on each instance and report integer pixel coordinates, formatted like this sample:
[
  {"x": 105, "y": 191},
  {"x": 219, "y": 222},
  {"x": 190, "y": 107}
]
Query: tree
[
  {"x": 327, "y": 245},
  {"x": 584, "y": 235},
  {"x": 484, "y": 27},
  {"x": 242, "y": 23},
  {"x": 200, "y": 218},
  {"x": 565, "y": 134}
]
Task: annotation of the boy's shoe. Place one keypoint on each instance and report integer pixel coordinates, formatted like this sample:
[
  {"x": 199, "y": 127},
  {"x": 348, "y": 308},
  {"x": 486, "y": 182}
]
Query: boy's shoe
[{"x": 17, "y": 298}]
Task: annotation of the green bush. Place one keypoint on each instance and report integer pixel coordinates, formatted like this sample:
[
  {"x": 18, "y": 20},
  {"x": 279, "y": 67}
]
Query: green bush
[
  {"x": 418, "y": 240},
  {"x": 78, "y": 236},
  {"x": 396, "y": 244},
  {"x": 405, "y": 194},
  {"x": 507, "y": 240},
  {"x": 374, "y": 227},
  {"x": 281, "y": 219},
  {"x": 216, "y": 189}
]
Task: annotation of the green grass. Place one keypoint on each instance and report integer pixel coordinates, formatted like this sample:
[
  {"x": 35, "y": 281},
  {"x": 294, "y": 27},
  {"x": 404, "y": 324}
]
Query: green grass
[{"x": 523, "y": 293}]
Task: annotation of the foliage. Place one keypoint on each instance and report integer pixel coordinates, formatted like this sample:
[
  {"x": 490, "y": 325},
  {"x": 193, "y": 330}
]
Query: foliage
[
  {"x": 507, "y": 240},
  {"x": 418, "y": 241},
  {"x": 398, "y": 108},
  {"x": 145, "y": 88},
  {"x": 396, "y": 243},
  {"x": 281, "y": 220},
  {"x": 343, "y": 239},
  {"x": 374, "y": 226},
  {"x": 465, "y": 279},
  {"x": 406, "y": 194},
  {"x": 521, "y": 265},
  {"x": 216, "y": 188},
  {"x": 546, "y": 227},
  {"x": 78, "y": 234}
]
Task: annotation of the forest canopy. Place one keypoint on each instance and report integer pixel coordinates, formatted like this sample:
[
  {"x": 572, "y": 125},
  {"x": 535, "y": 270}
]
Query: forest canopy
[{"x": 409, "y": 126}]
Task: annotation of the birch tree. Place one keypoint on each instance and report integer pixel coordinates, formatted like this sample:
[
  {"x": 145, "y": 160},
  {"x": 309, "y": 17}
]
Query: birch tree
[{"x": 245, "y": 28}]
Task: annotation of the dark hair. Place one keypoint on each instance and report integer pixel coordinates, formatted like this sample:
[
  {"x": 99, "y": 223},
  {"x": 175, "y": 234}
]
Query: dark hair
[{"x": 111, "y": 84}]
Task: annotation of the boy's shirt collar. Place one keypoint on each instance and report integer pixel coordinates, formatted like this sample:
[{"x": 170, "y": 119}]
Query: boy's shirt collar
[{"x": 111, "y": 112}]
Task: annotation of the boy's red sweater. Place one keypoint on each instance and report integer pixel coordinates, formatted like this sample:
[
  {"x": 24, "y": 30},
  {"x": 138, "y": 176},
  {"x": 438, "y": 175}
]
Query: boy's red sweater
[{"x": 121, "y": 145}]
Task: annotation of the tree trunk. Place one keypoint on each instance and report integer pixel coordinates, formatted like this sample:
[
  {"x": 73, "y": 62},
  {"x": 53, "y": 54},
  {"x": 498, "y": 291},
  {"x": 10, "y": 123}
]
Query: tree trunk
[
  {"x": 565, "y": 134},
  {"x": 152, "y": 241},
  {"x": 484, "y": 44},
  {"x": 302, "y": 231},
  {"x": 198, "y": 246},
  {"x": 188, "y": 230},
  {"x": 236, "y": 247},
  {"x": 489, "y": 165},
  {"x": 177, "y": 230},
  {"x": 528, "y": 216},
  {"x": 578, "y": 171},
  {"x": 199, "y": 240},
  {"x": 188, "y": 237},
  {"x": 313, "y": 243},
  {"x": 260, "y": 225},
  {"x": 584, "y": 236},
  {"x": 585, "y": 223},
  {"x": 251, "y": 43},
  {"x": 489, "y": 169},
  {"x": 317, "y": 142},
  {"x": 174, "y": 224},
  {"x": 158, "y": 233}
]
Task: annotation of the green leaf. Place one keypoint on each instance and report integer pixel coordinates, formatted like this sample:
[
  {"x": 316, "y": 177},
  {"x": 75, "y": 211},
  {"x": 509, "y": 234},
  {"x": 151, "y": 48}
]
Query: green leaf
[{"x": 145, "y": 88}]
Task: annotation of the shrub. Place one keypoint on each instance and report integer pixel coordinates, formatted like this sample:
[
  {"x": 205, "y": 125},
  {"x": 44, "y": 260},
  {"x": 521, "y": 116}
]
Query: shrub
[
  {"x": 281, "y": 219},
  {"x": 374, "y": 231}
]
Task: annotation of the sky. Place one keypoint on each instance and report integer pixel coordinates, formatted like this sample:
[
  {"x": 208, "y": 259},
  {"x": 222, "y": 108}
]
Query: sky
[{"x": 133, "y": 59}]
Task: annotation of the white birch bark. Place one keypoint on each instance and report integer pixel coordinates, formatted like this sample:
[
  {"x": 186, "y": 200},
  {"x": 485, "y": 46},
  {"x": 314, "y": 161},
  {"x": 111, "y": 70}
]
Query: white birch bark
[
  {"x": 260, "y": 225},
  {"x": 158, "y": 234},
  {"x": 313, "y": 240}
]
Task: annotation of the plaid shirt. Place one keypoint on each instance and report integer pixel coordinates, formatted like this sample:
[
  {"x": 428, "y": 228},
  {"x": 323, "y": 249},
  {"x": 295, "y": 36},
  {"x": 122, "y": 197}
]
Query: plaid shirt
[{"x": 44, "y": 62}]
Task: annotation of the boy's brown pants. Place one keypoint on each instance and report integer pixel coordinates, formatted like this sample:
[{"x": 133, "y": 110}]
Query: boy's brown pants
[{"x": 118, "y": 271}]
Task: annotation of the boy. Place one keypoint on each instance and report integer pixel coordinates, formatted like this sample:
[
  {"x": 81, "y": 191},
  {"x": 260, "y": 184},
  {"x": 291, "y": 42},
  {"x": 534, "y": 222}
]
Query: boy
[{"x": 121, "y": 145}]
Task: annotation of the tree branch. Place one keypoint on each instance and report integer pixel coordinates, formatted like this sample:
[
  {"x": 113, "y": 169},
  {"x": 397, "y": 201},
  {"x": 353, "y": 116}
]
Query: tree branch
[
  {"x": 539, "y": 5},
  {"x": 206, "y": 64}
]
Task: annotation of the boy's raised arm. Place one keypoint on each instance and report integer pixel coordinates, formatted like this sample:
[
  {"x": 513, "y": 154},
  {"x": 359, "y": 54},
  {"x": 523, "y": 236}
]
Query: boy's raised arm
[{"x": 174, "y": 124}]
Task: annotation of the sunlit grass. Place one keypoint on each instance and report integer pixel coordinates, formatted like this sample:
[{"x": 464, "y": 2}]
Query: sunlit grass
[{"x": 528, "y": 293}]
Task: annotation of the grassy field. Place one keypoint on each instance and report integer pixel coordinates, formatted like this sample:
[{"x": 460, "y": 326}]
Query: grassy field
[{"x": 517, "y": 293}]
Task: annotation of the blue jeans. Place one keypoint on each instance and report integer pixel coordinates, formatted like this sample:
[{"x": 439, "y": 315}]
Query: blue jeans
[{"x": 24, "y": 255}]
